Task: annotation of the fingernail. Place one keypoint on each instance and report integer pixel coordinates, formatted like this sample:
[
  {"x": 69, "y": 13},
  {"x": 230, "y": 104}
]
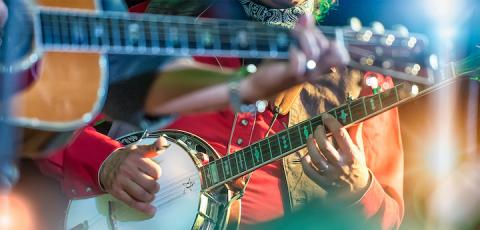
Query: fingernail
[
  {"x": 151, "y": 210},
  {"x": 324, "y": 116}
]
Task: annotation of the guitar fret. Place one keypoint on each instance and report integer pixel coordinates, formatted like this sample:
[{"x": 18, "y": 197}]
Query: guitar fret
[
  {"x": 380, "y": 100},
  {"x": 396, "y": 93},
  {"x": 266, "y": 156},
  {"x": 234, "y": 166},
  {"x": 275, "y": 148},
  {"x": 64, "y": 29},
  {"x": 350, "y": 111},
  {"x": 220, "y": 170},
  {"x": 249, "y": 161},
  {"x": 116, "y": 40},
  {"x": 269, "y": 148},
  {"x": 283, "y": 142},
  {"x": 56, "y": 33},
  {"x": 257, "y": 154},
  {"x": 226, "y": 167},
  {"x": 154, "y": 42},
  {"x": 46, "y": 29},
  {"x": 316, "y": 121},
  {"x": 357, "y": 110},
  {"x": 213, "y": 173},
  {"x": 343, "y": 115},
  {"x": 364, "y": 106},
  {"x": 388, "y": 97},
  {"x": 295, "y": 139}
]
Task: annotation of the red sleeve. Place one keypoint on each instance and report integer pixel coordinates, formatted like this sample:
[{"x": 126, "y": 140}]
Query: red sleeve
[
  {"x": 381, "y": 141},
  {"x": 76, "y": 166}
]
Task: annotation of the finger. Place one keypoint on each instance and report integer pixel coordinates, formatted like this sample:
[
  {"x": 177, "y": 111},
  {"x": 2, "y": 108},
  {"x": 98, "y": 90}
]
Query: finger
[
  {"x": 312, "y": 172},
  {"x": 334, "y": 56},
  {"x": 140, "y": 206},
  {"x": 326, "y": 147},
  {"x": 316, "y": 156},
  {"x": 298, "y": 61},
  {"x": 321, "y": 40},
  {"x": 307, "y": 43},
  {"x": 149, "y": 167},
  {"x": 306, "y": 20},
  {"x": 136, "y": 191},
  {"x": 147, "y": 182},
  {"x": 340, "y": 135},
  {"x": 155, "y": 149}
]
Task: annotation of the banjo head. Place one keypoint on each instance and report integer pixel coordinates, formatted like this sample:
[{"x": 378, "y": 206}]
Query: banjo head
[{"x": 181, "y": 203}]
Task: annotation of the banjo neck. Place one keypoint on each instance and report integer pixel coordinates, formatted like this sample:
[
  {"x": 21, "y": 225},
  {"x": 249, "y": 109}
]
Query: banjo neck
[{"x": 294, "y": 138}]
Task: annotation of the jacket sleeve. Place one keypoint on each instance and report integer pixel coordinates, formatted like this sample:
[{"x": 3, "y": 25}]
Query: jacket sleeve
[
  {"x": 382, "y": 204},
  {"x": 76, "y": 166}
]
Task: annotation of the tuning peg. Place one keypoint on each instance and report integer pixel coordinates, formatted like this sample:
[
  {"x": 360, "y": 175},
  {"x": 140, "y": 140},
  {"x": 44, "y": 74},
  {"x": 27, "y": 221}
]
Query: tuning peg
[
  {"x": 401, "y": 30},
  {"x": 355, "y": 24},
  {"x": 378, "y": 28}
]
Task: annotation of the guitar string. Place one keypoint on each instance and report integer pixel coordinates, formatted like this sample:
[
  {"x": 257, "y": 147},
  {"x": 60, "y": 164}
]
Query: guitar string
[
  {"x": 357, "y": 110},
  {"x": 228, "y": 28}
]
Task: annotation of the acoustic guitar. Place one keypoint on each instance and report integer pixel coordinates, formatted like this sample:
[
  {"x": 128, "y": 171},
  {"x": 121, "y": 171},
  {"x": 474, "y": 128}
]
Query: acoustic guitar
[{"x": 71, "y": 39}]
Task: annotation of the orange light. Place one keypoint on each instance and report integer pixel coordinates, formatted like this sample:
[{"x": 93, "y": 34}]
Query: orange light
[{"x": 15, "y": 214}]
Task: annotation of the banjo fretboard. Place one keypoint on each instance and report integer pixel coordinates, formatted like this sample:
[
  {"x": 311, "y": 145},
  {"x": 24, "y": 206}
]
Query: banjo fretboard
[{"x": 294, "y": 138}]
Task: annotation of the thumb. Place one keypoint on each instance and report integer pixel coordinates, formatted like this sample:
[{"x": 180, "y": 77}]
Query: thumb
[{"x": 155, "y": 149}]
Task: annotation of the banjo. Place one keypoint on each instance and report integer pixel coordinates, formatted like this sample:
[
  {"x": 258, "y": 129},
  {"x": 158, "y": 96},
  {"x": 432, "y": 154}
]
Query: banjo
[{"x": 198, "y": 196}]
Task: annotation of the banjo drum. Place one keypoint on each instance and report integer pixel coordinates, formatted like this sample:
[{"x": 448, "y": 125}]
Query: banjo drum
[{"x": 181, "y": 203}]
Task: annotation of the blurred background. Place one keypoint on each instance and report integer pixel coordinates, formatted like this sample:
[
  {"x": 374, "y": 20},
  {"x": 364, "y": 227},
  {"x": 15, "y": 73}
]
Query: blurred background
[{"x": 439, "y": 131}]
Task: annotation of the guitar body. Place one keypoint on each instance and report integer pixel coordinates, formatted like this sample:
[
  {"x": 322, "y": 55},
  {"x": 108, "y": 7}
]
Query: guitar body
[
  {"x": 181, "y": 202},
  {"x": 68, "y": 89}
]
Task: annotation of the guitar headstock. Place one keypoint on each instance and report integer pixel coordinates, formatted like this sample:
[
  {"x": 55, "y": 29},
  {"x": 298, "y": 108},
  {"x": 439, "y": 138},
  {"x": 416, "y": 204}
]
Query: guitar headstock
[{"x": 396, "y": 53}]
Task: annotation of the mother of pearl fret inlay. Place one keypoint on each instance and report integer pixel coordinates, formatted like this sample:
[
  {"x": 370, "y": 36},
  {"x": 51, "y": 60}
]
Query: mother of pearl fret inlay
[{"x": 257, "y": 153}]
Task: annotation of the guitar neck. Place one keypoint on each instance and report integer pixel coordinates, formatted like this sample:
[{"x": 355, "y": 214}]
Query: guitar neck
[
  {"x": 119, "y": 33},
  {"x": 268, "y": 150}
]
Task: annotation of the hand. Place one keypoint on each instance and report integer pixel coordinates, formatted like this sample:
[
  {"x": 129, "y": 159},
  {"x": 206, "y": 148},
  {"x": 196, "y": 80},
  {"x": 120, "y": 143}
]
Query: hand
[
  {"x": 131, "y": 176},
  {"x": 343, "y": 173},
  {"x": 274, "y": 77},
  {"x": 314, "y": 46}
]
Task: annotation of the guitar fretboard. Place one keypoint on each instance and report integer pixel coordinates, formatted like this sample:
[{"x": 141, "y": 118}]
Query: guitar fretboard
[
  {"x": 294, "y": 138},
  {"x": 159, "y": 35}
]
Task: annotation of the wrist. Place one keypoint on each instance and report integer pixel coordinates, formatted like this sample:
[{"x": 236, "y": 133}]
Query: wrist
[{"x": 101, "y": 169}]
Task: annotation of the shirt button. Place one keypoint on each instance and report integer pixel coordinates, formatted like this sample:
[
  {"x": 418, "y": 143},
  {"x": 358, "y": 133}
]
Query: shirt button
[
  {"x": 88, "y": 190},
  {"x": 244, "y": 122},
  {"x": 239, "y": 141},
  {"x": 74, "y": 191}
]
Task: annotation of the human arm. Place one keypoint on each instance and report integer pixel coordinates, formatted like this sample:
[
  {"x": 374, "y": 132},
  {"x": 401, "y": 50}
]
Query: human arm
[
  {"x": 378, "y": 140},
  {"x": 271, "y": 77},
  {"x": 92, "y": 159}
]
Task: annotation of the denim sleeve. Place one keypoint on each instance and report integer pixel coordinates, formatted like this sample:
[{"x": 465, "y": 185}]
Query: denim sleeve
[{"x": 130, "y": 78}]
